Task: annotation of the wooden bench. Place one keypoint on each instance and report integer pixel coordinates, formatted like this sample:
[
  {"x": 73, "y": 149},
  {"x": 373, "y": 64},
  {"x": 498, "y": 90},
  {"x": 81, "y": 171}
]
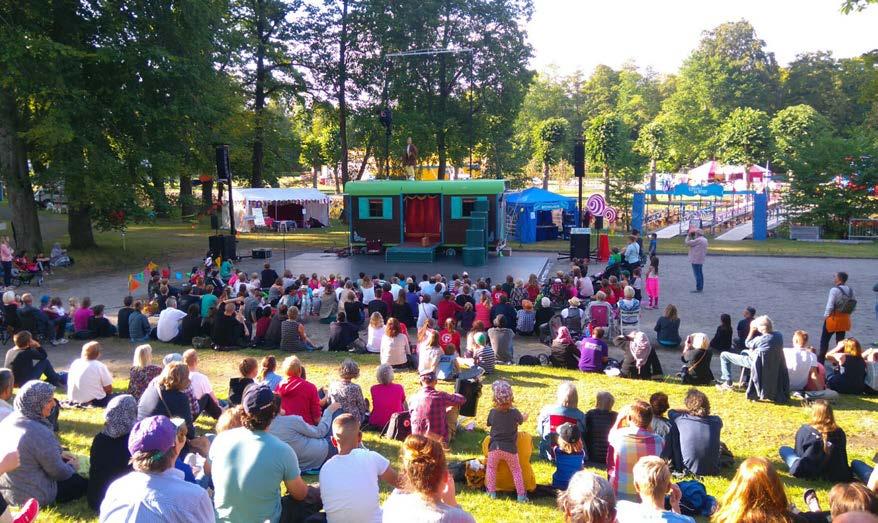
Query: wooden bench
[{"x": 804, "y": 232}]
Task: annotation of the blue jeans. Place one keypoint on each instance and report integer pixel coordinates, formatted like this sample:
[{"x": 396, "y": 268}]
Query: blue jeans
[
  {"x": 727, "y": 359},
  {"x": 699, "y": 276},
  {"x": 789, "y": 456},
  {"x": 861, "y": 470}
]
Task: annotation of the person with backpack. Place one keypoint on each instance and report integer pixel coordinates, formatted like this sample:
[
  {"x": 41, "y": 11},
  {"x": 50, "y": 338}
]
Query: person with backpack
[{"x": 837, "y": 314}]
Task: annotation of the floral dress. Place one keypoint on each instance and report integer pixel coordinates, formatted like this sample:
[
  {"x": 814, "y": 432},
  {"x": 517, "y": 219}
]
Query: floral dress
[
  {"x": 350, "y": 399},
  {"x": 140, "y": 377}
]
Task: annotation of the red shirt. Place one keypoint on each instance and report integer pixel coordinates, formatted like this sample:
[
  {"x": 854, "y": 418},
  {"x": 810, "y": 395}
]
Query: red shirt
[
  {"x": 386, "y": 400},
  {"x": 262, "y": 326},
  {"x": 452, "y": 338},
  {"x": 495, "y": 296},
  {"x": 447, "y": 309},
  {"x": 387, "y": 298},
  {"x": 299, "y": 397}
]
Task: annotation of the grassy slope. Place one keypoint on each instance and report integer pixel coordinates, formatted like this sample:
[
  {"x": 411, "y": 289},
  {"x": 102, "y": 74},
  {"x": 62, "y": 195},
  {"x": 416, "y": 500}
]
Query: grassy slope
[{"x": 751, "y": 429}]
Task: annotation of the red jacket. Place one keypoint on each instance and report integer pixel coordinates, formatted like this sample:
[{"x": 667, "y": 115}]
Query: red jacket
[
  {"x": 447, "y": 309},
  {"x": 299, "y": 397}
]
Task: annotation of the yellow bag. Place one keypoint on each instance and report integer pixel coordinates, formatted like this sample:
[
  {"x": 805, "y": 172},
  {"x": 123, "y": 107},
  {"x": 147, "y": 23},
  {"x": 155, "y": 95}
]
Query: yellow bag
[
  {"x": 504, "y": 477},
  {"x": 838, "y": 322}
]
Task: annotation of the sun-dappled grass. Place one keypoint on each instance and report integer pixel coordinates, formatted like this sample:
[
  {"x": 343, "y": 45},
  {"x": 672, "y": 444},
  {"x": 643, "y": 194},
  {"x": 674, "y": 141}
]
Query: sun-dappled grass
[{"x": 750, "y": 429}]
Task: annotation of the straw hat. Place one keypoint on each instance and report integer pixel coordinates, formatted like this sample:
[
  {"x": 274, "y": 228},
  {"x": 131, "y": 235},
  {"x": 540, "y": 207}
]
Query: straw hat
[{"x": 574, "y": 302}]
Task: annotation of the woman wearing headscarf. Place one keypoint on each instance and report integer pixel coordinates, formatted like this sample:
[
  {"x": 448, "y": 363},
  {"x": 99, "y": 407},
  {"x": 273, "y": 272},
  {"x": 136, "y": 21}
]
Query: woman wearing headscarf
[
  {"x": 640, "y": 359},
  {"x": 46, "y": 473},
  {"x": 109, "y": 450},
  {"x": 565, "y": 354}
]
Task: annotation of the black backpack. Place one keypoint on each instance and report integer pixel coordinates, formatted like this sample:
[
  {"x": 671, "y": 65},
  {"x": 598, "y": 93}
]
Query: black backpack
[
  {"x": 399, "y": 427},
  {"x": 846, "y": 303}
]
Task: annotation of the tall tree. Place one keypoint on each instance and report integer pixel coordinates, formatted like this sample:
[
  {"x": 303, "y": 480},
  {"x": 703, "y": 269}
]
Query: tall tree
[
  {"x": 432, "y": 91},
  {"x": 549, "y": 137},
  {"x": 267, "y": 58},
  {"x": 605, "y": 145},
  {"x": 652, "y": 143},
  {"x": 730, "y": 68},
  {"x": 744, "y": 137}
]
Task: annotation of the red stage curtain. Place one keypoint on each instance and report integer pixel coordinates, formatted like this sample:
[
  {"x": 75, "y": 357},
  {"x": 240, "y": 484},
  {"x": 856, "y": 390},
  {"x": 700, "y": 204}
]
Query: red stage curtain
[{"x": 422, "y": 218}]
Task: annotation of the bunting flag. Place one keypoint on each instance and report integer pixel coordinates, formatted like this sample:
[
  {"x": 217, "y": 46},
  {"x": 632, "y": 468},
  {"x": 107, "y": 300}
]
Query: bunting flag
[
  {"x": 138, "y": 276},
  {"x": 188, "y": 275},
  {"x": 218, "y": 261},
  {"x": 151, "y": 267},
  {"x": 178, "y": 275},
  {"x": 133, "y": 284}
]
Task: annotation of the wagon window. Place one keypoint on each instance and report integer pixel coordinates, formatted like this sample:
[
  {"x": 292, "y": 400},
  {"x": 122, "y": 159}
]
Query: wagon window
[
  {"x": 376, "y": 208},
  {"x": 466, "y": 206}
]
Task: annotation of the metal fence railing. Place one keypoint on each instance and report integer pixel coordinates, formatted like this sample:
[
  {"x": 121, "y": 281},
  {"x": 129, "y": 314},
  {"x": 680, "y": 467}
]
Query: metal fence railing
[{"x": 863, "y": 229}]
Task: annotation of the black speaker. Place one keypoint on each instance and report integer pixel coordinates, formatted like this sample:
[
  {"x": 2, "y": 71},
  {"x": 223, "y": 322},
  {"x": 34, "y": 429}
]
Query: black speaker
[
  {"x": 223, "y": 172},
  {"x": 580, "y": 245},
  {"x": 222, "y": 245},
  {"x": 598, "y": 222},
  {"x": 579, "y": 159}
]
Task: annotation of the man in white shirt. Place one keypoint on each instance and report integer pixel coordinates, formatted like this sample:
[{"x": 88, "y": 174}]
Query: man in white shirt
[
  {"x": 168, "y": 328},
  {"x": 7, "y": 382},
  {"x": 155, "y": 490},
  {"x": 89, "y": 382},
  {"x": 202, "y": 390},
  {"x": 801, "y": 362},
  {"x": 349, "y": 480},
  {"x": 395, "y": 287}
]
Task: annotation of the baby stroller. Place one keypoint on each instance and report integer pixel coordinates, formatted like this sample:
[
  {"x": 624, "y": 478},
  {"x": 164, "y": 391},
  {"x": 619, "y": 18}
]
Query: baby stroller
[{"x": 26, "y": 272}]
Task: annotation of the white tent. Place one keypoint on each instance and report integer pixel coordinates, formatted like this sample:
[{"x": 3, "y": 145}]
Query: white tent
[{"x": 270, "y": 205}]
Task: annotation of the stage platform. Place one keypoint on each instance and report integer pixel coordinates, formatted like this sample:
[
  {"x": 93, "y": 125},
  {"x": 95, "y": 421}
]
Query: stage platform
[
  {"x": 411, "y": 253},
  {"x": 519, "y": 265}
]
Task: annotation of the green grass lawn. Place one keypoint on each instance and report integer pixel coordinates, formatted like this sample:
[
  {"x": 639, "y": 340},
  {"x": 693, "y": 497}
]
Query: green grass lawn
[{"x": 750, "y": 429}]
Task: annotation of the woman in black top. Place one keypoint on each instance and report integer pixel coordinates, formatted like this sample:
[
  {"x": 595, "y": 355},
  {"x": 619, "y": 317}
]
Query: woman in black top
[
  {"x": 353, "y": 309},
  {"x": 109, "y": 454},
  {"x": 821, "y": 448},
  {"x": 401, "y": 310},
  {"x": 696, "y": 356},
  {"x": 722, "y": 339},
  {"x": 167, "y": 396},
  {"x": 342, "y": 334},
  {"x": 846, "y": 368},
  {"x": 191, "y": 326},
  {"x": 667, "y": 328}
]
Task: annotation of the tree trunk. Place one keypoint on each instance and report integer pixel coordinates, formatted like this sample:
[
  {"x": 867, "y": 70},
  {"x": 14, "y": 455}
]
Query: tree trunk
[
  {"x": 13, "y": 169},
  {"x": 607, "y": 184},
  {"x": 546, "y": 176},
  {"x": 335, "y": 177},
  {"x": 652, "y": 175},
  {"x": 206, "y": 194},
  {"x": 365, "y": 161},
  {"x": 315, "y": 171},
  {"x": 187, "y": 203},
  {"x": 440, "y": 123},
  {"x": 160, "y": 196},
  {"x": 258, "y": 102},
  {"x": 342, "y": 103},
  {"x": 79, "y": 228}
]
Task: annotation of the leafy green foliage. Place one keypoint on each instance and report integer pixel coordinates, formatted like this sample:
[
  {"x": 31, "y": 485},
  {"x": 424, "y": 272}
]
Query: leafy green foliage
[
  {"x": 744, "y": 137},
  {"x": 606, "y": 144},
  {"x": 548, "y": 138}
]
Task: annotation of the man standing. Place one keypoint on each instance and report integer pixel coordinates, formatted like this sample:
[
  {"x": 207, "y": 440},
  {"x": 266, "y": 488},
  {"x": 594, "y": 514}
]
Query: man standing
[
  {"x": 837, "y": 314},
  {"x": 155, "y": 490},
  {"x": 697, "y": 244},
  {"x": 410, "y": 158},
  {"x": 249, "y": 464},
  {"x": 632, "y": 254}
]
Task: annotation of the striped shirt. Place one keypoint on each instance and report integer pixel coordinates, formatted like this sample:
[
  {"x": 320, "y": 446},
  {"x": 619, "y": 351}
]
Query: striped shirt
[
  {"x": 486, "y": 359},
  {"x": 628, "y": 445}
]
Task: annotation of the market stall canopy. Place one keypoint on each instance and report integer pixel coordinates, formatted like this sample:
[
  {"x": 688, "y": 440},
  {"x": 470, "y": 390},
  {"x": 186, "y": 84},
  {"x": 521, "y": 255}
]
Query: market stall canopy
[
  {"x": 266, "y": 207},
  {"x": 527, "y": 203},
  {"x": 280, "y": 195}
]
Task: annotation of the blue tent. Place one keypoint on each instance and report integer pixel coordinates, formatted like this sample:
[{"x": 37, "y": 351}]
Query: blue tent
[{"x": 532, "y": 208}]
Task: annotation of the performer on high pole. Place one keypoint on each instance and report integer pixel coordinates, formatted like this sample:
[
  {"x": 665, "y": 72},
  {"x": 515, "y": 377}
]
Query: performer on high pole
[{"x": 410, "y": 158}]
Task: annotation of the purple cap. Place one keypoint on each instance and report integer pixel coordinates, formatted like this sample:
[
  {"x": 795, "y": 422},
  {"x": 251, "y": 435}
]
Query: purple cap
[
  {"x": 257, "y": 398},
  {"x": 151, "y": 434}
]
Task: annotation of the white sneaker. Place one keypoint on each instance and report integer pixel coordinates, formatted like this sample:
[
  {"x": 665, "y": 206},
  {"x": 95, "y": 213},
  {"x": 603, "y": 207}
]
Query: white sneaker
[
  {"x": 62, "y": 341},
  {"x": 54, "y": 343}
]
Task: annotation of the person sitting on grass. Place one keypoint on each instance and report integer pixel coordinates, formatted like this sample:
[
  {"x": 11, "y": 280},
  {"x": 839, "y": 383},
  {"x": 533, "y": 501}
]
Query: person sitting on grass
[
  {"x": 821, "y": 448},
  {"x": 229, "y": 329},
  {"x": 248, "y": 368},
  {"x": 89, "y": 381},
  {"x": 388, "y": 398},
  {"x": 99, "y": 325},
  {"x": 29, "y": 361},
  {"x": 267, "y": 374},
  {"x": 693, "y": 444},
  {"x": 139, "y": 329},
  {"x": 640, "y": 360},
  {"x": 658, "y": 404},
  {"x": 347, "y": 393},
  {"x": 109, "y": 456},
  {"x": 762, "y": 339},
  {"x": 427, "y": 492},
  {"x": 249, "y": 464},
  {"x": 630, "y": 440},
  {"x": 667, "y": 328},
  {"x": 344, "y": 335},
  {"x": 652, "y": 480},
  {"x": 349, "y": 480},
  {"x": 801, "y": 361},
  {"x": 155, "y": 490},
  {"x": 589, "y": 498},
  {"x": 142, "y": 371},
  {"x": 374, "y": 332},
  {"x": 564, "y": 351},
  {"x": 568, "y": 456},
  {"x": 80, "y": 318},
  {"x": 696, "y": 358},
  {"x": 293, "y": 337},
  {"x": 566, "y": 406},
  {"x": 434, "y": 412},
  {"x": 429, "y": 352},
  {"x": 166, "y": 396},
  {"x": 846, "y": 368},
  {"x": 593, "y": 352},
  {"x": 755, "y": 494},
  {"x": 168, "y": 327},
  {"x": 395, "y": 350},
  {"x": 310, "y": 442},
  {"x": 298, "y": 396},
  {"x": 854, "y": 499},
  {"x": 598, "y": 422},
  {"x": 501, "y": 339},
  {"x": 46, "y": 472}
]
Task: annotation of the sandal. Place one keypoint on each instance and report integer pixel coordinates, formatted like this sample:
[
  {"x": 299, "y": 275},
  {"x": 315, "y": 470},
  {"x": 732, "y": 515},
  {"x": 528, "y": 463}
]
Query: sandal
[{"x": 811, "y": 501}]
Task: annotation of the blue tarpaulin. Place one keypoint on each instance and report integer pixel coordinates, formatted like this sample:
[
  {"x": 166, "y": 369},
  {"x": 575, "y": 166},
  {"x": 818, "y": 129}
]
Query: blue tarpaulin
[{"x": 527, "y": 204}]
